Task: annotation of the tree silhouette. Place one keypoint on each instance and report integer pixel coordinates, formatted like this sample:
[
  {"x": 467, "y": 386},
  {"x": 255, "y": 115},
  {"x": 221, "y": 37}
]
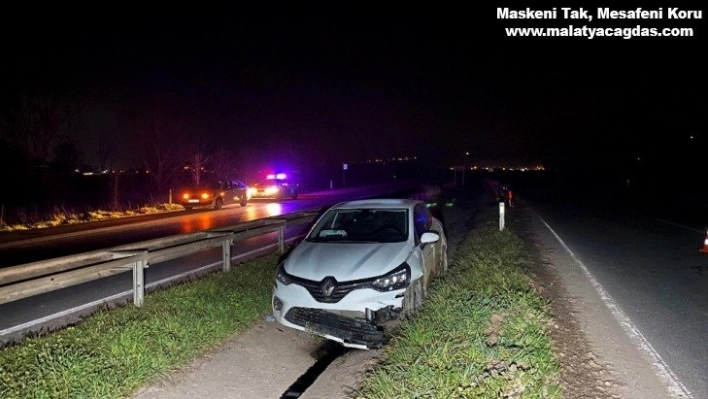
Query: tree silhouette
[{"x": 35, "y": 123}]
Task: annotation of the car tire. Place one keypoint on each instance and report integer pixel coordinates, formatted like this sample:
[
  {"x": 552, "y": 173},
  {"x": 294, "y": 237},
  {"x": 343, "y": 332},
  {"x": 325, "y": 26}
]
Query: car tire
[
  {"x": 412, "y": 300},
  {"x": 243, "y": 201},
  {"x": 218, "y": 203},
  {"x": 294, "y": 196}
]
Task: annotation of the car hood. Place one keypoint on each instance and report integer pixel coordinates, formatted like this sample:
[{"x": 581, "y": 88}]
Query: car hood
[{"x": 345, "y": 261}]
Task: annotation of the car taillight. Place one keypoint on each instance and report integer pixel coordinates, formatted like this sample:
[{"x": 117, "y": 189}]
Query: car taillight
[
  {"x": 185, "y": 195},
  {"x": 205, "y": 195}
]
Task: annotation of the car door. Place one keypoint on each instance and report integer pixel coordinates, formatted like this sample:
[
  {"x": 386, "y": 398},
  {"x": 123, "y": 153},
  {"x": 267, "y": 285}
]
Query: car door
[
  {"x": 422, "y": 222},
  {"x": 240, "y": 192},
  {"x": 239, "y": 188}
]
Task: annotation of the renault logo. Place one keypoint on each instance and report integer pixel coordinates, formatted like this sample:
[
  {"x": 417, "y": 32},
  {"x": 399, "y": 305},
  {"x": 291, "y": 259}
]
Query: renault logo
[{"x": 328, "y": 285}]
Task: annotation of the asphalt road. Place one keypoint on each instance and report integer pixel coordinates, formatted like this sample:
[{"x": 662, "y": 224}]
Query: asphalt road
[
  {"x": 645, "y": 263},
  {"x": 27, "y": 246}
]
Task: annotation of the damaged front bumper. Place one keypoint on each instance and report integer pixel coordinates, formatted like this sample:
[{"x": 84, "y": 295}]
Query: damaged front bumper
[{"x": 355, "y": 321}]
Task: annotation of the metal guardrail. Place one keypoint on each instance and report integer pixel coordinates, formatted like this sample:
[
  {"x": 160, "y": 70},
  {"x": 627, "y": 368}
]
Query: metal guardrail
[{"x": 23, "y": 281}]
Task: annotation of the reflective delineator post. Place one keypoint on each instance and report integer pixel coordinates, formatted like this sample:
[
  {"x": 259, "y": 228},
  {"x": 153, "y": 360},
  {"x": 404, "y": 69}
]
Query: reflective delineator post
[
  {"x": 704, "y": 248},
  {"x": 139, "y": 282},
  {"x": 281, "y": 239},
  {"x": 501, "y": 216}
]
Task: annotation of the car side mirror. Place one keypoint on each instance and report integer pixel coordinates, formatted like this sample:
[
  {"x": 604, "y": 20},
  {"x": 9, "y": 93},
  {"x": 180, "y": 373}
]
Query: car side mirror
[{"x": 429, "y": 236}]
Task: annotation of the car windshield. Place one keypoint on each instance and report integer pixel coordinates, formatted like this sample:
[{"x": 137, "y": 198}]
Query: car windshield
[{"x": 361, "y": 225}]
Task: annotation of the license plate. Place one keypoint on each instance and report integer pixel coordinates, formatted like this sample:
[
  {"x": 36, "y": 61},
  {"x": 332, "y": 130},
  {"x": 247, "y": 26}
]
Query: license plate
[{"x": 193, "y": 201}]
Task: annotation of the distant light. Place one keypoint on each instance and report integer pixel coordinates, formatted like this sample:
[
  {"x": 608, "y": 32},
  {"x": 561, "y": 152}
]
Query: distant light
[
  {"x": 279, "y": 176},
  {"x": 691, "y": 137}
]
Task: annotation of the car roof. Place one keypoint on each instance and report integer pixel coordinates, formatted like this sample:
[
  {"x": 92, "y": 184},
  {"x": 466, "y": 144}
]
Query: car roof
[{"x": 378, "y": 203}]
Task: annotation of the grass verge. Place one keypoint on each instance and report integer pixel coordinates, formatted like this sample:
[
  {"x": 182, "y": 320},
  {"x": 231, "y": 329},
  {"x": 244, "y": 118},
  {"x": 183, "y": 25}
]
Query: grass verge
[
  {"x": 481, "y": 333},
  {"x": 112, "y": 353},
  {"x": 61, "y": 216}
]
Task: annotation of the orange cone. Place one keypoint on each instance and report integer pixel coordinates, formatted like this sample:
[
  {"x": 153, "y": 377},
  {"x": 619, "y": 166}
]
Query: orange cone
[{"x": 705, "y": 245}]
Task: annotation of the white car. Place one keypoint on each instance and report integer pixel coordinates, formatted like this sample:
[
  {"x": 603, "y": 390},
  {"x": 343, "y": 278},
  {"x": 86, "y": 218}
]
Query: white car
[{"x": 362, "y": 263}]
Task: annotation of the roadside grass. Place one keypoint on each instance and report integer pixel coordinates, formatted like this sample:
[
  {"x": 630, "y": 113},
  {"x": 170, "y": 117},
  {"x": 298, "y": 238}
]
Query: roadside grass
[
  {"x": 112, "y": 353},
  {"x": 480, "y": 333},
  {"x": 60, "y": 216}
]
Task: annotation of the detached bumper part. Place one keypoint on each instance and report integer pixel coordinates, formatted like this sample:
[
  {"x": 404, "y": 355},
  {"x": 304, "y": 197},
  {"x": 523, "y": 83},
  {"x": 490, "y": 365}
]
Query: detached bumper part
[{"x": 350, "y": 330}]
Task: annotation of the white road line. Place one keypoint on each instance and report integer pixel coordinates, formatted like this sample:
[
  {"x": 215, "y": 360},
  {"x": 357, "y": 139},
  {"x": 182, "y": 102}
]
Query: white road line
[
  {"x": 679, "y": 225},
  {"x": 676, "y": 388}
]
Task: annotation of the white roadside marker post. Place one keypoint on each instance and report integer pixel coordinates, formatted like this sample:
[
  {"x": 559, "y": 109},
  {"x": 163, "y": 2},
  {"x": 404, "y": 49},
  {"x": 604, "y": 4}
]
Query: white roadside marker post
[{"x": 501, "y": 216}]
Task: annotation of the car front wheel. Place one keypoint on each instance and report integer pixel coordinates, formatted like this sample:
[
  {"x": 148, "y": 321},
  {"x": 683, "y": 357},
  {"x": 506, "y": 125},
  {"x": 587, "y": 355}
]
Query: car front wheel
[
  {"x": 243, "y": 201},
  {"x": 218, "y": 203},
  {"x": 412, "y": 300}
]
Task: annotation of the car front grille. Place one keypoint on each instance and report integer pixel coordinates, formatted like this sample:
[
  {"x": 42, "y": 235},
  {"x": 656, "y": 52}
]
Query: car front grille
[
  {"x": 341, "y": 289},
  {"x": 351, "y": 330},
  {"x": 339, "y": 292}
]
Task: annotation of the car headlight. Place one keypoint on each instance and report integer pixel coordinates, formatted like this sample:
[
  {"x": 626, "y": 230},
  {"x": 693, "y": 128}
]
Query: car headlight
[
  {"x": 396, "y": 279},
  {"x": 281, "y": 276}
]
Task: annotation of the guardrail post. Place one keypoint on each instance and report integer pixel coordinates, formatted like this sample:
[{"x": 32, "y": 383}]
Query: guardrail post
[
  {"x": 226, "y": 250},
  {"x": 139, "y": 282},
  {"x": 281, "y": 239}
]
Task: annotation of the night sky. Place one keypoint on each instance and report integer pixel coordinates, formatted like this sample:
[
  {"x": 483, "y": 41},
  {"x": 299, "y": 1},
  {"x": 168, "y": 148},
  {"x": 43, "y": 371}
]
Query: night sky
[{"x": 333, "y": 85}]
